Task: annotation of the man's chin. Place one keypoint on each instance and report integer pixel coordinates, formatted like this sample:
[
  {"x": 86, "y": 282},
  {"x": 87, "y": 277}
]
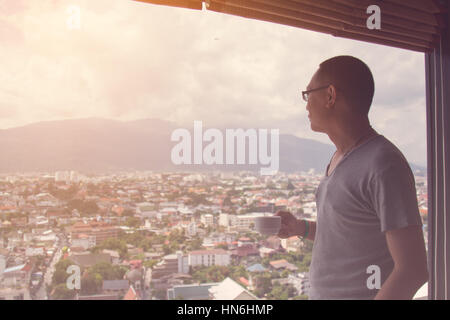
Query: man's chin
[
  {"x": 316, "y": 128},
  {"x": 313, "y": 127}
]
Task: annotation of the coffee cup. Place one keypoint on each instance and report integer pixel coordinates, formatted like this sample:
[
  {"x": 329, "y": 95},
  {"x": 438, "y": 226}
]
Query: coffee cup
[{"x": 268, "y": 225}]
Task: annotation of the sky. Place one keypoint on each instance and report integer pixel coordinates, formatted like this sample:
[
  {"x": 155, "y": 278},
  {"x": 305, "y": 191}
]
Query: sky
[{"x": 128, "y": 60}]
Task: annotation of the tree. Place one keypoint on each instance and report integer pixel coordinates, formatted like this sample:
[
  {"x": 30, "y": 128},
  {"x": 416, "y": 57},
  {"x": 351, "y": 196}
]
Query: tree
[
  {"x": 280, "y": 292},
  {"x": 62, "y": 194},
  {"x": 216, "y": 273},
  {"x": 307, "y": 246},
  {"x": 90, "y": 207},
  {"x": 238, "y": 271},
  {"x": 91, "y": 283},
  {"x": 160, "y": 294},
  {"x": 84, "y": 207},
  {"x": 61, "y": 292},
  {"x": 91, "y": 188},
  {"x": 227, "y": 202},
  {"x": 291, "y": 290},
  {"x": 133, "y": 222},
  {"x": 113, "y": 244},
  {"x": 223, "y": 246},
  {"x": 39, "y": 261},
  {"x": 195, "y": 244},
  {"x": 270, "y": 185},
  {"x": 263, "y": 283},
  {"x": 139, "y": 256},
  {"x": 60, "y": 275},
  {"x": 128, "y": 213},
  {"x": 196, "y": 199},
  {"x": 290, "y": 186},
  {"x": 167, "y": 249},
  {"x": 150, "y": 263},
  {"x": 107, "y": 271}
]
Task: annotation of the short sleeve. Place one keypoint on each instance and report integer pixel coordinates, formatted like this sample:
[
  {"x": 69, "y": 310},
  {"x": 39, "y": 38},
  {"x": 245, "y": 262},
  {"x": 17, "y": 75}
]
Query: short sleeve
[{"x": 393, "y": 197}]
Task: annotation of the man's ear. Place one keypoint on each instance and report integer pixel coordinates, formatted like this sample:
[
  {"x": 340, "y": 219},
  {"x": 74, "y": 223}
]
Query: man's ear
[{"x": 331, "y": 96}]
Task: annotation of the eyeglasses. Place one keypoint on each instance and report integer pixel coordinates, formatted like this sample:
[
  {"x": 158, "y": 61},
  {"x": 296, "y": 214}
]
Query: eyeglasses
[{"x": 305, "y": 94}]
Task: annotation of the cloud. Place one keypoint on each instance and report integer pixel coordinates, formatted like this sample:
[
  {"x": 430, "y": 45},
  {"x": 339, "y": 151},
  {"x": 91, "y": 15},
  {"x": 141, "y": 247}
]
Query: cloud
[{"x": 133, "y": 60}]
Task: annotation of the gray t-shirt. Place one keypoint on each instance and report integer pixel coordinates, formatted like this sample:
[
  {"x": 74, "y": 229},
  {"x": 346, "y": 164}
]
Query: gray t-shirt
[{"x": 372, "y": 190}]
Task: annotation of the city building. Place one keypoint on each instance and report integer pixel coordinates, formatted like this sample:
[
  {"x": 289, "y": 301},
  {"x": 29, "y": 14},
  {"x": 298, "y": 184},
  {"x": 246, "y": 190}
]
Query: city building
[
  {"x": 282, "y": 264},
  {"x": 118, "y": 287},
  {"x": 214, "y": 257},
  {"x": 100, "y": 230},
  {"x": 16, "y": 276},
  {"x": 291, "y": 244},
  {"x": 190, "y": 291},
  {"x": 300, "y": 282},
  {"x": 83, "y": 240},
  {"x": 170, "y": 264},
  {"x": 229, "y": 289},
  {"x": 207, "y": 219}
]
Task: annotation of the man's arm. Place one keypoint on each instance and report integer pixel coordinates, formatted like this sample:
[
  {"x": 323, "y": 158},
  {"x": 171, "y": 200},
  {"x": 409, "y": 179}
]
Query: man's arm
[
  {"x": 291, "y": 226},
  {"x": 410, "y": 271}
]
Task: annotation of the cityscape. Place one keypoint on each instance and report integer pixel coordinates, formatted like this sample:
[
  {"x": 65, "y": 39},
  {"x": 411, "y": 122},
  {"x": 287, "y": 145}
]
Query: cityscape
[
  {"x": 155, "y": 235},
  {"x": 150, "y": 149}
]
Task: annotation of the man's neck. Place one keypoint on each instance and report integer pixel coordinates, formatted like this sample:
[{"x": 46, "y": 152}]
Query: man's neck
[{"x": 347, "y": 136}]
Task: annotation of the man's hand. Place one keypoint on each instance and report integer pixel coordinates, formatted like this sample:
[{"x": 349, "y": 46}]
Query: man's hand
[{"x": 290, "y": 226}]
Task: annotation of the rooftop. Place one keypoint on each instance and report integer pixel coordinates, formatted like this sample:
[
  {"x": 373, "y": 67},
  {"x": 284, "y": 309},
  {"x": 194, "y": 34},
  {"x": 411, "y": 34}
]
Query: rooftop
[
  {"x": 87, "y": 260},
  {"x": 115, "y": 284},
  {"x": 229, "y": 289},
  {"x": 190, "y": 291},
  {"x": 213, "y": 251}
]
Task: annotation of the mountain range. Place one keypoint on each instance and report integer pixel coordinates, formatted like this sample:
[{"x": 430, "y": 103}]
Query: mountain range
[{"x": 97, "y": 145}]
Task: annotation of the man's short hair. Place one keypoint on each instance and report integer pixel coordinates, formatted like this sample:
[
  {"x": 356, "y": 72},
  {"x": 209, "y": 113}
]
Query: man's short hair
[{"x": 352, "y": 78}]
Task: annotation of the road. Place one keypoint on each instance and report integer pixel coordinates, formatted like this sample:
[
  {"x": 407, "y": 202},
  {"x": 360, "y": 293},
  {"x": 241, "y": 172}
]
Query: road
[{"x": 41, "y": 294}]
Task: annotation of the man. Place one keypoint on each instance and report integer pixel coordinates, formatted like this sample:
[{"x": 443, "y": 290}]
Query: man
[{"x": 368, "y": 224}]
